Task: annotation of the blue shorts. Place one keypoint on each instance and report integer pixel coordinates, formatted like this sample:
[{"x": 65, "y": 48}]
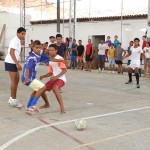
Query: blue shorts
[
  {"x": 148, "y": 60},
  {"x": 148, "y": 39},
  {"x": 101, "y": 57},
  {"x": 11, "y": 67},
  {"x": 111, "y": 61},
  {"x": 73, "y": 58}
]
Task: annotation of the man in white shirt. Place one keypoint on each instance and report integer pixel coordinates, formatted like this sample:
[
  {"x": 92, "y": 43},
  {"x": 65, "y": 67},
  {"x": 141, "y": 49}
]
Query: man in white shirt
[
  {"x": 13, "y": 66},
  {"x": 135, "y": 53},
  {"x": 101, "y": 54},
  {"x": 147, "y": 34}
]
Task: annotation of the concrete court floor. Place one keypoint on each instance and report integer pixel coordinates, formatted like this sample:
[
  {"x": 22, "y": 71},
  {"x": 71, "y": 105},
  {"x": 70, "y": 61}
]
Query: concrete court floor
[{"x": 118, "y": 115}]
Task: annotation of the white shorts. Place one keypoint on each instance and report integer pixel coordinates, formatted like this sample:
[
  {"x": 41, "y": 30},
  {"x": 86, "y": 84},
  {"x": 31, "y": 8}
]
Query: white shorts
[
  {"x": 133, "y": 66},
  {"x": 36, "y": 85}
]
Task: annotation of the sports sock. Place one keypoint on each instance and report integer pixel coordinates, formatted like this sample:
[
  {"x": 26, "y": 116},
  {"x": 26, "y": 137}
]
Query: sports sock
[
  {"x": 137, "y": 77},
  {"x": 130, "y": 77},
  {"x": 29, "y": 102},
  {"x": 34, "y": 101}
]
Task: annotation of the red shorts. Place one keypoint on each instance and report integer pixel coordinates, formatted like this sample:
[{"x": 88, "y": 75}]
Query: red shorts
[{"x": 49, "y": 85}]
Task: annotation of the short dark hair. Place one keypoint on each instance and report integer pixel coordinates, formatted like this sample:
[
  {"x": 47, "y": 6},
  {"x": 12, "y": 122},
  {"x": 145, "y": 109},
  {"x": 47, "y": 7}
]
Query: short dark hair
[
  {"x": 21, "y": 29},
  {"x": 131, "y": 41},
  {"x": 36, "y": 42},
  {"x": 80, "y": 40},
  {"x": 46, "y": 43},
  {"x": 137, "y": 39},
  {"x": 51, "y": 37},
  {"x": 112, "y": 44},
  {"x": 54, "y": 46},
  {"x": 58, "y": 35},
  {"x": 119, "y": 43},
  {"x": 108, "y": 36},
  {"x": 144, "y": 36}
]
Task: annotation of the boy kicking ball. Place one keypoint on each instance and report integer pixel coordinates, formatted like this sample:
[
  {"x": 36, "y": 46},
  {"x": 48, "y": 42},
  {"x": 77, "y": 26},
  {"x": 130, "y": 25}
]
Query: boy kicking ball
[
  {"x": 29, "y": 74},
  {"x": 135, "y": 53},
  {"x": 57, "y": 80}
]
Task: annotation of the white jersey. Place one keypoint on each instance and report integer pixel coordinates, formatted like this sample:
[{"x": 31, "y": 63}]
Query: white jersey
[
  {"x": 102, "y": 48},
  {"x": 15, "y": 43},
  {"x": 147, "y": 52},
  {"x": 56, "y": 68},
  {"x": 135, "y": 55}
]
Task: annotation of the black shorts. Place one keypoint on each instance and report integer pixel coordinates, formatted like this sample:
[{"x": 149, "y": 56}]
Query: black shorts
[
  {"x": 129, "y": 62},
  {"x": 118, "y": 62},
  {"x": 88, "y": 58},
  {"x": 10, "y": 67}
]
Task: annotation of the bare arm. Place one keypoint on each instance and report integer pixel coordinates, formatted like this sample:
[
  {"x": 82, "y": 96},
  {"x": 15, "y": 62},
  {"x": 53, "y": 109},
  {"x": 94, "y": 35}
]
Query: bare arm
[
  {"x": 12, "y": 54},
  {"x": 127, "y": 55},
  {"x": 26, "y": 76},
  {"x": 46, "y": 75},
  {"x": 59, "y": 75},
  {"x": 124, "y": 53},
  {"x": 92, "y": 51}
]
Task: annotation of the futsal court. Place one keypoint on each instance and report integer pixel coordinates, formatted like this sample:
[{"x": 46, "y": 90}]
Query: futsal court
[{"x": 117, "y": 115}]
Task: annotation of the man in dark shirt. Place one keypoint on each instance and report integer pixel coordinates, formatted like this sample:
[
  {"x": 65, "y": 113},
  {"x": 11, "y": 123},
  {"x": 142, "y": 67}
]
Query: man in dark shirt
[
  {"x": 61, "y": 47},
  {"x": 80, "y": 51}
]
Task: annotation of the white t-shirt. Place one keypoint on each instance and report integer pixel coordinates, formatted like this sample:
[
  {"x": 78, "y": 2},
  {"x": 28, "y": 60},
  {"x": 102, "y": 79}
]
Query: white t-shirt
[
  {"x": 102, "y": 48},
  {"x": 15, "y": 43},
  {"x": 56, "y": 68},
  {"x": 147, "y": 54},
  {"x": 135, "y": 55},
  {"x": 148, "y": 31}
]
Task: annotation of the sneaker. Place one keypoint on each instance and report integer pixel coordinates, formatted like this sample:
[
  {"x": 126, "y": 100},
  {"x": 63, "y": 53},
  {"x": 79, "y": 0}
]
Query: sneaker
[
  {"x": 113, "y": 71},
  {"x": 33, "y": 108},
  {"x": 103, "y": 70},
  {"x": 129, "y": 82},
  {"x": 138, "y": 86},
  {"x": 18, "y": 103},
  {"x": 11, "y": 102},
  {"x": 99, "y": 70}
]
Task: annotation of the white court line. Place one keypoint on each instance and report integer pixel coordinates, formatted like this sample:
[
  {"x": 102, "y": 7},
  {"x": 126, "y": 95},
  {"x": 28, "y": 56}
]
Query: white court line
[{"x": 15, "y": 139}]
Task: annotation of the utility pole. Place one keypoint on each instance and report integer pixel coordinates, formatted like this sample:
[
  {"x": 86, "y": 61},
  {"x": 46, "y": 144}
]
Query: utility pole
[{"x": 58, "y": 16}]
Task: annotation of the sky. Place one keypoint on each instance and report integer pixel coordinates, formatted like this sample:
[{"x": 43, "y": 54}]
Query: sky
[{"x": 89, "y": 8}]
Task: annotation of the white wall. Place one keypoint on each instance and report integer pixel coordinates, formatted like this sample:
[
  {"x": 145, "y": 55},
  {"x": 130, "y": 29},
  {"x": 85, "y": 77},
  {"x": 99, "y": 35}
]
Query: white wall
[{"x": 131, "y": 29}]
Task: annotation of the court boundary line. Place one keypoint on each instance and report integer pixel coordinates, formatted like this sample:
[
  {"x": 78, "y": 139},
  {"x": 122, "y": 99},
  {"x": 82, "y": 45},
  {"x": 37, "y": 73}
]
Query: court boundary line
[{"x": 15, "y": 139}]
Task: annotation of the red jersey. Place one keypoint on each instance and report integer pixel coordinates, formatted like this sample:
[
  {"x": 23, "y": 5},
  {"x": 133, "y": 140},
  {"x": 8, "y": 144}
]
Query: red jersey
[
  {"x": 144, "y": 44},
  {"x": 88, "y": 49}
]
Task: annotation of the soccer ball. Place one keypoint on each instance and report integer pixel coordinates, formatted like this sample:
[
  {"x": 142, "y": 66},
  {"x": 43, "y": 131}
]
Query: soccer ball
[{"x": 80, "y": 124}]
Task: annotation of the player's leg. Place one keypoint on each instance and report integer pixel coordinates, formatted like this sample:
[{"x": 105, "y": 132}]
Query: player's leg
[
  {"x": 130, "y": 70},
  {"x": 145, "y": 67},
  {"x": 59, "y": 84},
  {"x": 14, "y": 76},
  {"x": 31, "y": 99},
  {"x": 46, "y": 105},
  {"x": 137, "y": 76}
]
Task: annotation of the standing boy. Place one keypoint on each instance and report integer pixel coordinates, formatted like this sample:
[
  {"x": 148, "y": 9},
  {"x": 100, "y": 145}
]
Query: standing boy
[
  {"x": 57, "y": 80},
  {"x": 29, "y": 74},
  {"x": 111, "y": 56},
  {"x": 135, "y": 53},
  {"x": 101, "y": 55},
  {"x": 13, "y": 66},
  {"x": 80, "y": 51},
  {"x": 119, "y": 57},
  {"x": 116, "y": 41}
]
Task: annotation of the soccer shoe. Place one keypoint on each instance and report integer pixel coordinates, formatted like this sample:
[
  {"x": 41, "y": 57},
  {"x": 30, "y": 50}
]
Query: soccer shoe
[
  {"x": 138, "y": 86},
  {"x": 11, "y": 102},
  {"x": 33, "y": 108},
  {"x": 14, "y": 102},
  {"x": 129, "y": 82}
]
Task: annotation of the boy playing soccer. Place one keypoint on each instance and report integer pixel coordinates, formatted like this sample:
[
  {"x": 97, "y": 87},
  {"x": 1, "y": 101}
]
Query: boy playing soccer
[
  {"x": 111, "y": 55},
  {"x": 57, "y": 80},
  {"x": 29, "y": 73},
  {"x": 135, "y": 53}
]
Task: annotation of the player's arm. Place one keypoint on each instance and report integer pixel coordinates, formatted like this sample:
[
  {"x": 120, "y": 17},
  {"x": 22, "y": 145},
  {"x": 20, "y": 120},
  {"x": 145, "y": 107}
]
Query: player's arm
[
  {"x": 124, "y": 53},
  {"x": 129, "y": 53},
  {"x": 64, "y": 70},
  {"x": 12, "y": 54},
  {"x": 92, "y": 51},
  {"x": 58, "y": 60},
  {"x": 46, "y": 75},
  {"x": 26, "y": 76}
]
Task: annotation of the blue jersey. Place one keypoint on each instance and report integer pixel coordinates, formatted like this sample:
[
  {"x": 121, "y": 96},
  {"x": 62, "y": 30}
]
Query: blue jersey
[
  {"x": 32, "y": 63},
  {"x": 116, "y": 42}
]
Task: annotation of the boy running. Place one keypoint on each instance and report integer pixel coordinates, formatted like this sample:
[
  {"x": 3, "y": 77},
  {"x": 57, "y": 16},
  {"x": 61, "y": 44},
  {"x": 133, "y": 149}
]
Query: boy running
[
  {"x": 135, "y": 53},
  {"x": 29, "y": 74},
  {"x": 111, "y": 56},
  {"x": 57, "y": 80},
  {"x": 13, "y": 66}
]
